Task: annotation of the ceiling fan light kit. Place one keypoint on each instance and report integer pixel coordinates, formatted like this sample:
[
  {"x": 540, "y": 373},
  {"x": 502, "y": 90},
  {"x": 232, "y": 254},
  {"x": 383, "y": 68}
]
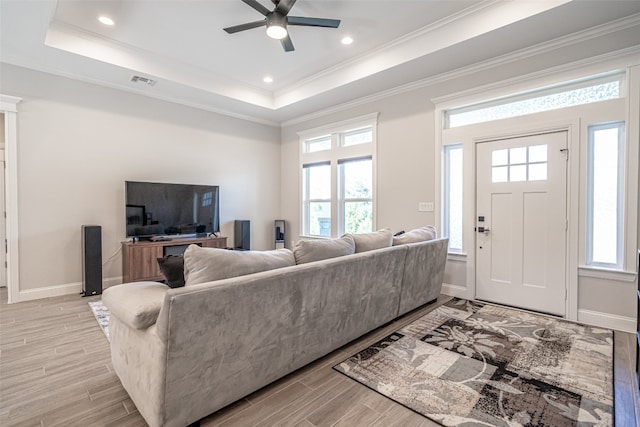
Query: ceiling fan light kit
[
  {"x": 276, "y": 21},
  {"x": 276, "y": 26}
]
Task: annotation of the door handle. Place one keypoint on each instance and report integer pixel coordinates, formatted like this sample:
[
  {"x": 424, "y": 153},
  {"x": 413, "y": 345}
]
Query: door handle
[{"x": 483, "y": 230}]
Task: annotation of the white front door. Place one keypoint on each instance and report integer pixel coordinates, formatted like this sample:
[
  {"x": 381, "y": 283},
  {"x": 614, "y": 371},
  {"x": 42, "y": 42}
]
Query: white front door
[{"x": 521, "y": 221}]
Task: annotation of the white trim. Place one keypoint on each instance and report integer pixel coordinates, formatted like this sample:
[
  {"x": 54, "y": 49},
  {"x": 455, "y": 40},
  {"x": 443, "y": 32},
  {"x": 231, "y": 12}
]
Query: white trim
[
  {"x": 606, "y": 320},
  {"x": 9, "y": 103},
  {"x": 9, "y": 106},
  {"x": 548, "y": 77},
  {"x": 60, "y": 290},
  {"x": 599, "y": 273},
  {"x": 454, "y": 291},
  {"x": 456, "y": 257},
  {"x": 341, "y": 126}
]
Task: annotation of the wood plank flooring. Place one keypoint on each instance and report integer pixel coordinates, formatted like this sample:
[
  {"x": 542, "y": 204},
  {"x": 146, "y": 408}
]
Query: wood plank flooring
[{"x": 55, "y": 370}]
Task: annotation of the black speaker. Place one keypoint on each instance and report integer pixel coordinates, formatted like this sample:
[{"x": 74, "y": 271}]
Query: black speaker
[
  {"x": 91, "y": 260},
  {"x": 242, "y": 236}
]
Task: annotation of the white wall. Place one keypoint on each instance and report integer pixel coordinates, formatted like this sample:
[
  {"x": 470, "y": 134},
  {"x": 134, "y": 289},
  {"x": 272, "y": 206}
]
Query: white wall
[{"x": 78, "y": 143}]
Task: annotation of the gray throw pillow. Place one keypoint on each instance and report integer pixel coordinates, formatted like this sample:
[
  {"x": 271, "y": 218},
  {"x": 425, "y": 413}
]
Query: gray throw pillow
[
  {"x": 203, "y": 265},
  {"x": 172, "y": 267},
  {"x": 318, "y": 249},
  {"x": 371, "y": 241},
  {"x": 421, "y": 234}
]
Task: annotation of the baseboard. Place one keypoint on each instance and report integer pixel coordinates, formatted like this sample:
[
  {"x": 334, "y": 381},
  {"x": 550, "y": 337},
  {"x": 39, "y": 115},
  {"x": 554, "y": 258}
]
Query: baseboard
[
  {"x": 60, "y": 290},
  {"x": 606, "y": 320},
  {"x": 454, "y": 290}
]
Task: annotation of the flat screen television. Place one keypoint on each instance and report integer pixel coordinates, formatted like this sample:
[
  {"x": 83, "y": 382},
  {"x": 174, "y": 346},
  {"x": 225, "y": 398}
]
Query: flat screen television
[{"x": 161, "y": 209}]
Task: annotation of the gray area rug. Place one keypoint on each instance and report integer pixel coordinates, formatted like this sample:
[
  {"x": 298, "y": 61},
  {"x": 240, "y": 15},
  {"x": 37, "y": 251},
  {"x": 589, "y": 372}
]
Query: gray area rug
[
  {"x": 468, "y": 363},
  {"x": 102, "y": 315}
]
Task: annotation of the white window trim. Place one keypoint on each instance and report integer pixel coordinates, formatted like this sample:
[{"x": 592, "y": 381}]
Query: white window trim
[
  {"x": 444, "y": 223},
  {"x": 334, "y": 155},
  {"x": 620, "y": 249}
]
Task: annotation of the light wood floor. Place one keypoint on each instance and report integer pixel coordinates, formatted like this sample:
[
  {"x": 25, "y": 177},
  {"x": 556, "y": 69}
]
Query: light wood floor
[{"x": 55, "y": 370}]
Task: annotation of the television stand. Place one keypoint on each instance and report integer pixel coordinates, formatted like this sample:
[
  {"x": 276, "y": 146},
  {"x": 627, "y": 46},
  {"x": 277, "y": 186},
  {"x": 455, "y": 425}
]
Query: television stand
[{"x": 140, "y": 259}]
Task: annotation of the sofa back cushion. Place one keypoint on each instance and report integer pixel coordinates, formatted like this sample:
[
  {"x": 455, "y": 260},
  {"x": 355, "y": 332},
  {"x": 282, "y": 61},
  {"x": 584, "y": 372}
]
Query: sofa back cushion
[
  {"x": 421, "y": 234},
  {"x": 315, "y": 250},
  {"x": 203, "y": 265},
  {"x": 371, "y": 241}
]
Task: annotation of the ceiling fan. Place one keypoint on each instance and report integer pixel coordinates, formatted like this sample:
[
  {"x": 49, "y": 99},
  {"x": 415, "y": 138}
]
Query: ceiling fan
[{"x": 276, "y": 21}]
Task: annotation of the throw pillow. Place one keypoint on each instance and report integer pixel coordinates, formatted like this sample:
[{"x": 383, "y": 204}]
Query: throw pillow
[
  {"x": 208, "y": 264},
  {"x": 421, "y": 234},
  {"x": 375, "y": 240},
  {"x": 172, "y": 267},
  {"x": 315, "y": 250}
]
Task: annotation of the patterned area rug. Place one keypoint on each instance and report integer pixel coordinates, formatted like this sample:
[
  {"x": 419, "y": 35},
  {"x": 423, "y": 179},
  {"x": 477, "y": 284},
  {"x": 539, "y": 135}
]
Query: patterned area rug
[
  {"x": 102, "y": 315},
  {"x": 469, "y": 363}
]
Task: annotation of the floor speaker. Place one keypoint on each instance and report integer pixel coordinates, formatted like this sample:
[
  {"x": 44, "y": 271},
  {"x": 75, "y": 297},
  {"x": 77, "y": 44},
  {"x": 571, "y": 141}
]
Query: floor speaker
[
  {"x": 91, "y": 260},
  {"x": 242, "y": 236}
]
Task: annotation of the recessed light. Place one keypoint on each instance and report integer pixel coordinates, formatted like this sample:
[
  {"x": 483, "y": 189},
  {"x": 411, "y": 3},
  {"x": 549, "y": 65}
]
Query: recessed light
[
  {"x": 106, "y": 20},
  {"x": 268, "y": 79},
  {"x": 347, "y": 40}
]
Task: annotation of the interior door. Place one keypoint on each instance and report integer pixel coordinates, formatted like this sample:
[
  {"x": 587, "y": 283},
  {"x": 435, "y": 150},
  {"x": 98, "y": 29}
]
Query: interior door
[{"x": 521, "y": 221}]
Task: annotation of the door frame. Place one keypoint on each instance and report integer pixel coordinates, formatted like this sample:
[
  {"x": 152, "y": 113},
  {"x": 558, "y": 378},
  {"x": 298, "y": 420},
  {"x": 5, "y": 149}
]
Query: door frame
[
  {"x": 469, "y": 137},
  {"x": 572, "y": 127},
  {"x": 569, "y": 240},
  {"x": 9, "y": 106}
]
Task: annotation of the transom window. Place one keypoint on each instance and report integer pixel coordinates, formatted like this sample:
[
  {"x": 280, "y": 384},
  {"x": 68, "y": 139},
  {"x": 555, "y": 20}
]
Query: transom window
[
  {"x": 519, "y": 164},
  {"x": 338, "y": 164},
  {"x": 569, "y": 94}
]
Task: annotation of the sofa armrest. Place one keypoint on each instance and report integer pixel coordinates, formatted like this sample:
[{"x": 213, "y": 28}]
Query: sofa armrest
[{"x": 136, "y": 304}]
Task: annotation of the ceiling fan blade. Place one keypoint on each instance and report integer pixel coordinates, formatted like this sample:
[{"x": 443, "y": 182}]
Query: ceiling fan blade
[
  {"x": 313, "y": 22},
  {"x": 257, "y": 6},
  {"x": 287, "y": 44},
  {"x": 247, "y": 26},
  {"x": 284, "y": 6}
]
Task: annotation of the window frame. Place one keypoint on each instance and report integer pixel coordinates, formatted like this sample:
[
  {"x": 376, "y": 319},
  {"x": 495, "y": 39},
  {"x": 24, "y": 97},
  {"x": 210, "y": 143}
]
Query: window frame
[
  {"x": 335, "y": 156},
  {"x": 445, "y": 194},
  {"x": 606, "y": 78},
  {"x": 620, "y": 201}
]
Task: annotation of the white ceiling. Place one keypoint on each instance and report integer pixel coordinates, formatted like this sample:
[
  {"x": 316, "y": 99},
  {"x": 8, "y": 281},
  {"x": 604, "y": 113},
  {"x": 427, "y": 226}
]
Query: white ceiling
[{"x": 181, "y": 45}]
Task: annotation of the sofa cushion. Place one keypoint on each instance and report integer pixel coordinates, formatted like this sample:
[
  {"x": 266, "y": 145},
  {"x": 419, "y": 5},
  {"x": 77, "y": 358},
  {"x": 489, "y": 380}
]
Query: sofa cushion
[
  {"x": 371, "y": 241},
  {"x": 136, "y": 304},
  {"x": 421, "y": 234},
  {"x": 172, "y": 267},
  {"x": 208, "y": 264},
  {"x": 318, "y": 249}
]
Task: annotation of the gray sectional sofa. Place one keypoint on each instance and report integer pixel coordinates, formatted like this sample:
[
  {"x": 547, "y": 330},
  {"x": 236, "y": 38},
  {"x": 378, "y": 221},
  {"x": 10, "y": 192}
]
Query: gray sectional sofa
[{"x": 184, "y": 353}]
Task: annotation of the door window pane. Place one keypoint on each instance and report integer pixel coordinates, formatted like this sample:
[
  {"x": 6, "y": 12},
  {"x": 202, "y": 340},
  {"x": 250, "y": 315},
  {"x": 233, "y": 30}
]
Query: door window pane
[
  {"x": 500, "y": 174},
  {"x": 500, "y": 157},
  {"x": 518, "y": 155},
  {"x": 538, "y": 172},
  {"x": 538, "y": 153},
  {"x": 517, "y": 173}
]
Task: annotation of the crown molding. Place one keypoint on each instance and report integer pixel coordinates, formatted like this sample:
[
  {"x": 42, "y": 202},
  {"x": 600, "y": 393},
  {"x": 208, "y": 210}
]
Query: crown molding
[
  {"x": 9, "y": 103},
  {"x": 503, "y": 60}
]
